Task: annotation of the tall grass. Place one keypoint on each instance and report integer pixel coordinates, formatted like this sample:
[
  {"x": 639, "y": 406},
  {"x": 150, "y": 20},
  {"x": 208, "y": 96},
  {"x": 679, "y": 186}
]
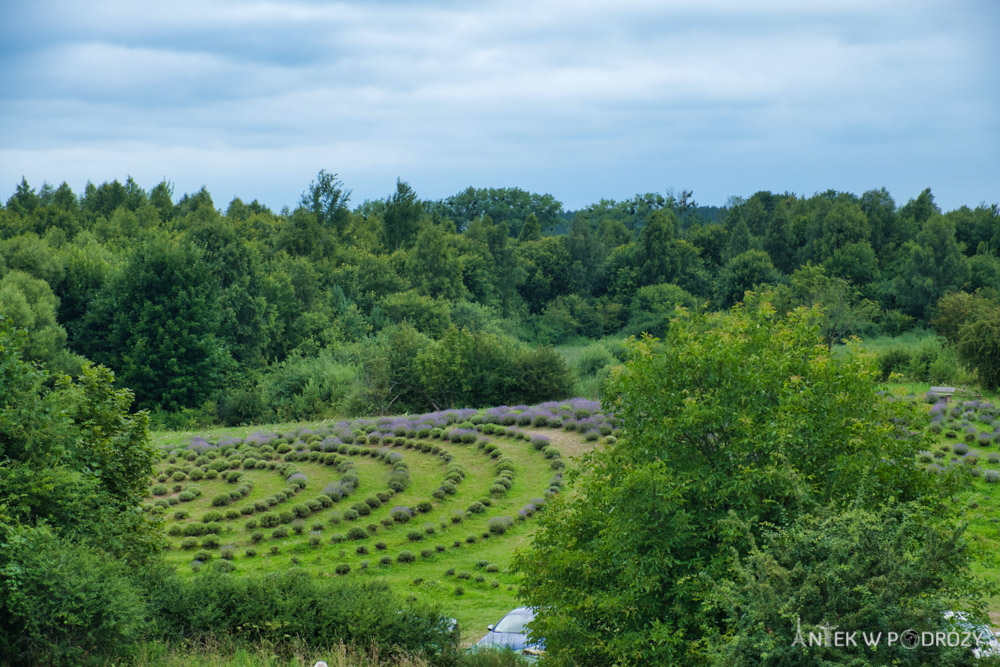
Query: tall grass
[{"x": 224, "y": 651}]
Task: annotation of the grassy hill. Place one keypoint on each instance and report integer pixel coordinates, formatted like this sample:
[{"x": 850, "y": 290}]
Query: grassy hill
[{"x": 435, "y": 504}]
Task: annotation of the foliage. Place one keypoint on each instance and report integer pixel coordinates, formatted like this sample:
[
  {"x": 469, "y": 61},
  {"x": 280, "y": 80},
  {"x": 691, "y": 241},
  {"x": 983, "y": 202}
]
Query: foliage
[
  {"x": 888, "y": 567},
  {"x": 204, "y": 311},
  {"x": 735, "y": 426}
]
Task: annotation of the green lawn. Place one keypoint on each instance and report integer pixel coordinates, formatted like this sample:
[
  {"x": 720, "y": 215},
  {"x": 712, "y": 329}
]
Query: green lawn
[{"x": 451, "y": 558}]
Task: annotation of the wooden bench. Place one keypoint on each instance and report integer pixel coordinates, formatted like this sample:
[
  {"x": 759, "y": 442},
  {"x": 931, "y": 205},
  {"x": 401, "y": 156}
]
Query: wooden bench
[{"x": 944, "y": 392}]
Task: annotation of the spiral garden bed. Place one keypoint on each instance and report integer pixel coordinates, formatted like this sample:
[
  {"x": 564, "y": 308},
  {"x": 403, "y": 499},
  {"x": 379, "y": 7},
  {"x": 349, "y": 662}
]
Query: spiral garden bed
[{"x": 435, "y": 504}]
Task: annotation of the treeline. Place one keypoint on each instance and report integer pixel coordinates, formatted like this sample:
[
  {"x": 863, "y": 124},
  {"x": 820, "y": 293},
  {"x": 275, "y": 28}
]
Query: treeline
[{"x": 246, "y": 314}]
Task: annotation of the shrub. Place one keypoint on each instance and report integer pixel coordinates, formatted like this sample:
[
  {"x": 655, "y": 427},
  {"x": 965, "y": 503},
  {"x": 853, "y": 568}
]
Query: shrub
[
  {"x": 498, "y": 525},
  {"x": 401, "y": 514},
  {"x": 342, "y": 568},
  {"x": 350, "y": 515},
  {"x": 189, "y": 543},
  {"x": 357, "y": 533},
  {"x": 159, "y": 490},
  {"x": 477, "y": 508},
  {"x": 992, "y": 476},
  {"x": 279, "y": 533},
  {"x": 385, "y": 561},
  {"x": 406, "y": 556},
  {"x": 961, "y": 449},
  {"x": 380, "y": 546},
  {"x": 414, "y": 536}
]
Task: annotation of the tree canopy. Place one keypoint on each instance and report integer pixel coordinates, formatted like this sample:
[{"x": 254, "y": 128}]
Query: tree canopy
[{"x": 744, "y": 445}]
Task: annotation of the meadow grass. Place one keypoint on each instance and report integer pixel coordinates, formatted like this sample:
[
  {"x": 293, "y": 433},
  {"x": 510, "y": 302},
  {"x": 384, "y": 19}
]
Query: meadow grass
[{"x": 452, "y": 570}]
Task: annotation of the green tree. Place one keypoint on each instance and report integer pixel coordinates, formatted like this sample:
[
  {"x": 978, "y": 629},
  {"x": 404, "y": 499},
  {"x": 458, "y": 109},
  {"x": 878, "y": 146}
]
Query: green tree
[
  {"x": 432, "y": 264},
  {"x": 880, "y": 210},
  {"x": 652, "y": 251},
  {"x": 401, "y": 216},
  {"x": 979, "y": 346},
  {"x": 156, "y": 322},
  {"x": 327, "y": 199},
  {"x": 744, "y": 272},
  {"x": 882, "y": 560},
  {"x": 739, "y": 240},
  {"x": 547, "y": 264},
  {"x": 24, "y": 200},
  {"x": 935, "y": 266},
  {"x": 778, "y": 241},
  {"x": 842, "y": 225},
  {"x": 736, "y": 425},
  {"x": 532, "y": 229},
  {"x": 30, "y": 304}
]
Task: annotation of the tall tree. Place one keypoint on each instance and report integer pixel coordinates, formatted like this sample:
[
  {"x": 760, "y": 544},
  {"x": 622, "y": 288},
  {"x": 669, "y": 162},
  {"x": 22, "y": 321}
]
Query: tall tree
[
  {"x": 156, "y": 323},
  {"x": 935, "y": 265},
  {"x": 716, "y": 454},
  {"x": 401, "y": 216},
  {"x": 327, "y": 199}
]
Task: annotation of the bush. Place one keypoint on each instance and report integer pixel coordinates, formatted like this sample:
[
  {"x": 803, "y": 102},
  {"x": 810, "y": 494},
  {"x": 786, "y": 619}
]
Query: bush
[
  {"x": 406, "y": 557},
  {"x": 357, "y": 533},
  {"x": 992, "y": 476},
  {"x": 498, "y": 525},
  {"x": 385, "y": 561},
  {"x": 342, "y": 568},
  {"x": 401, "y": 514},
  {"x": 279, "y": 533}
]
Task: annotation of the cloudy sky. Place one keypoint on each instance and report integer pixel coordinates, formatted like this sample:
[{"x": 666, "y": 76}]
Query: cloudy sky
[{"x": 584, "y": 100}]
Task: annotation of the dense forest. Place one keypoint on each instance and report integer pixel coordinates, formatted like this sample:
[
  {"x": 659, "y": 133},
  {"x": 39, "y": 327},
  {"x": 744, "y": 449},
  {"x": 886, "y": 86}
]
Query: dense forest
[{"x": 244, "y": 314}]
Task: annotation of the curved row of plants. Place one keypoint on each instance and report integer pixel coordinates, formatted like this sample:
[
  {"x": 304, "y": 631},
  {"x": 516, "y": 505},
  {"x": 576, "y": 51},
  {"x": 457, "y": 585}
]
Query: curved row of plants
[{"x": 374, "y": 526}]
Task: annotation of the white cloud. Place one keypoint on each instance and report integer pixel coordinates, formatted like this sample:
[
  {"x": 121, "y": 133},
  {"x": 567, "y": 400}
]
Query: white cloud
[{"x": 636, "y": 95}]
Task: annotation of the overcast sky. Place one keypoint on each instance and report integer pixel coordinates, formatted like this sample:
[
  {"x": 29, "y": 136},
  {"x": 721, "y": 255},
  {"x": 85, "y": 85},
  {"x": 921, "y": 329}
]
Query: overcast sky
[{"x": 583, "y": 100}]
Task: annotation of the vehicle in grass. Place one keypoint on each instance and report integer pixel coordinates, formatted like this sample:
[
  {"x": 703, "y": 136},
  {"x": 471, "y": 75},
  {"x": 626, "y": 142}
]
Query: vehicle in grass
[
  {"x": 512, "y": 632},
  {"x": 979, "y": 636}
]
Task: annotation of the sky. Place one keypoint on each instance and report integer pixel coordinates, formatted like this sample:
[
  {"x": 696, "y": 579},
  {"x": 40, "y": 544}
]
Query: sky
[{"x": 584, "y": 100}]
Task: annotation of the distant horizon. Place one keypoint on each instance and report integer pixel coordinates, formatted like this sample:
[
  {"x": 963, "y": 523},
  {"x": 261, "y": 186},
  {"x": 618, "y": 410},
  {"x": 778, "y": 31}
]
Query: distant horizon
[{"x": 354, "y": 201}]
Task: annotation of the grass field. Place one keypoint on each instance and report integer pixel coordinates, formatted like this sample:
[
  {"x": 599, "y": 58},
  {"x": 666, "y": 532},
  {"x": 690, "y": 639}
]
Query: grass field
[
  {"x": 459, "y": 564},
  {"x": 460, "y": 557}
]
